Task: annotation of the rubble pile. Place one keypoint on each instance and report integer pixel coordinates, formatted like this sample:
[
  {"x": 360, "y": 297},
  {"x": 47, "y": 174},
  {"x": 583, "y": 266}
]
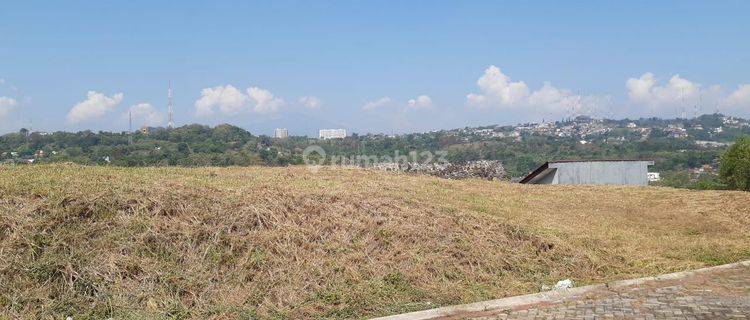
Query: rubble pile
[{"x": 481, "y": 169}]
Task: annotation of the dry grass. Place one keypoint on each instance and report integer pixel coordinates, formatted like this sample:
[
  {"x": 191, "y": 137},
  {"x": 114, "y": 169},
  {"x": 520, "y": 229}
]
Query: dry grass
[{"x": 98, "y": 242}]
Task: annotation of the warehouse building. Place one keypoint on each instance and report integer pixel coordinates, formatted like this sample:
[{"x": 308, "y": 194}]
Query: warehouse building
[{"x": 591, "y": 172}]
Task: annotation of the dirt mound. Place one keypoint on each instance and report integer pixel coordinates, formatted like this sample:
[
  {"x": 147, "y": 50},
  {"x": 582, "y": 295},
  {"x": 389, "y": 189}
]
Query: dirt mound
[{"x": 287, "y": 243}]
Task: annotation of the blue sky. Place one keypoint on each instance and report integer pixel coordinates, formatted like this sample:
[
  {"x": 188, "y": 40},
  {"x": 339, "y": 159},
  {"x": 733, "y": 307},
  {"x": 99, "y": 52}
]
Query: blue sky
[{"x": 374, "y": 66}]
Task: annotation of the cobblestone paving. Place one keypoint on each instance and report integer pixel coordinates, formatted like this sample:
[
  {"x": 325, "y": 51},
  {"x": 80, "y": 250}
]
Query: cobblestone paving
[{"x": 722, "y": 294}]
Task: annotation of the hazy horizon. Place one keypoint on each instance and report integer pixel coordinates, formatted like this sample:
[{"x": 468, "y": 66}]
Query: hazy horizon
[{"x": 312, "y": 131}]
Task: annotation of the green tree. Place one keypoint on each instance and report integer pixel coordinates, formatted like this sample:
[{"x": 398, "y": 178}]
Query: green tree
[{"x": 734, "y": 167}]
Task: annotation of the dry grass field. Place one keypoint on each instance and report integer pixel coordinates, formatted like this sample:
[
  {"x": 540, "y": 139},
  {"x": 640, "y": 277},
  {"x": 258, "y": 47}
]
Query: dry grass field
[{"x": 285, "y": 243}]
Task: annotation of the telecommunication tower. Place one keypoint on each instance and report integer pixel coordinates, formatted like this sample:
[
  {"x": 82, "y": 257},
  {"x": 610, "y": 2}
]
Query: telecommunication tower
[
  {"x": 130, "y": 127},
  {"x": 170, "y": 125}
]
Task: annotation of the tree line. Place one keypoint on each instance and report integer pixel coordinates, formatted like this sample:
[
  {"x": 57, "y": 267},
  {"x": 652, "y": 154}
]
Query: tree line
[{"x": 227, "y": 145}]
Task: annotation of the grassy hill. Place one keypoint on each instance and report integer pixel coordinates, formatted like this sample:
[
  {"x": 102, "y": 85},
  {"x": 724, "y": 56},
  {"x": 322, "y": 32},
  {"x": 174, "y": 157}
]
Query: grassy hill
[{"x": 98, "y": 242}]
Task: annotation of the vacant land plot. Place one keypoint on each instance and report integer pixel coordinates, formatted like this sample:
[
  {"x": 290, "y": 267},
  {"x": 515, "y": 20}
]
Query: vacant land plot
[{"x": 97, "y": 242}]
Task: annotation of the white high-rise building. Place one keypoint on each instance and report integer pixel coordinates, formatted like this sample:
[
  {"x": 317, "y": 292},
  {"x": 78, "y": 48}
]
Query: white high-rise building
[
  {"x": 281, "y": 133},
  {"x": 332, "y": 133}
]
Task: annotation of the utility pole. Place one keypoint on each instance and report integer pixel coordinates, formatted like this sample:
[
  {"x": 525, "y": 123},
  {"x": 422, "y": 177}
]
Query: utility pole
[
  {"x": 130, "y": 127},
  {"x": 170, "y": 125}
]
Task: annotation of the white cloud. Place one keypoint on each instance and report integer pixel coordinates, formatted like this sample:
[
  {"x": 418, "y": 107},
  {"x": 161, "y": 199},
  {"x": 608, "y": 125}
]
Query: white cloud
[
  {"x": 145, "y": 114},
  {"x": 231, "y": 101},
  {"x": 676, "y": 91},
  {"x": 640, "y": 89},
  {"x": 497, "y": 90},
  {"x": 310, "y": 102},
  {"x": 2, "y": 81},
  {"x": 739, "y": 98},
  {"x": 95, "y": 106},
  {"x": 421, "y": 102},
  {"x": 549, "y": 95},
  {"x": 227, "y": 99},
  {"x": 377, "y": 104},
  {"x": 554, "y": 101},
  {"x": 398, "y": 112},
  {"x": 551, "y": 99},
  {"x": 264, "y": 100},
  {"x": 8, "y": 102},
  {"x": 6, "y": 105},
  {"x": 686, "y": 97}
]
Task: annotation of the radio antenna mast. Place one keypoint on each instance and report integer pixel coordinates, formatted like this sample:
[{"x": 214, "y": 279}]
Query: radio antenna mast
[
  {"x": 699, "y": 106},
  {"x": 130, "y": 127},
  {"x": 170, "y": 125},
  {"x": 682, "y": 95}
]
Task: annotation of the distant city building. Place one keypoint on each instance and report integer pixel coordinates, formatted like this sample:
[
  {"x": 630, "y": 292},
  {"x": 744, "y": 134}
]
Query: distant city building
[
  {"x": 281, "y": 133},
  {"x": 711, "y": 144},
  {"x": 676, "y": 131},
  {"x": 704, "y": 169},
  {"x": 332, "y": 133},
  {"x": 591, "y": 172},
  {"x": 632, "y": 125}
]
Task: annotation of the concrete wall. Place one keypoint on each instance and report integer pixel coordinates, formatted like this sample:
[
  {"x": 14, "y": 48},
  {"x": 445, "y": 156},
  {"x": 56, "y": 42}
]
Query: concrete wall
[
  {"x": 599, "y": 173},
  {"x": 548, "y": 178}
]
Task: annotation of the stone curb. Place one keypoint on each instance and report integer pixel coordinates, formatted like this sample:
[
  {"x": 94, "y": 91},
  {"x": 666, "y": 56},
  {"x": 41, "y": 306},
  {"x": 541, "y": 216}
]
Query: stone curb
[{"x": 548, "y": 296}]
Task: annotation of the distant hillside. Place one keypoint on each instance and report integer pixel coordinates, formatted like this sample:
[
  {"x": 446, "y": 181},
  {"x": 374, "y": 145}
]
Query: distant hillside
[
  {"x": 676, "y": 145},
  {"x": 286, "y": 243}
]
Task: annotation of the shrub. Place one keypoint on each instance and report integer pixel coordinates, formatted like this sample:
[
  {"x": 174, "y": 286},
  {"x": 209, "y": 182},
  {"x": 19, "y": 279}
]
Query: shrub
[{"x": 734, "y": 167}]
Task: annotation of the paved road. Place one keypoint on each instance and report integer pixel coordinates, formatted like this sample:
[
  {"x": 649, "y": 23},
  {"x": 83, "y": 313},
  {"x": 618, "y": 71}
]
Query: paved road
[{"x": 720, "y": 294}]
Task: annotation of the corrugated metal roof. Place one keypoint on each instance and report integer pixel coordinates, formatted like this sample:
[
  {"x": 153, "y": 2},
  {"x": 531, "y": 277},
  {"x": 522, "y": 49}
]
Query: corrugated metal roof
[
  {"x": 596, "y": 160},
  {"x": 534, "y": 173}
]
